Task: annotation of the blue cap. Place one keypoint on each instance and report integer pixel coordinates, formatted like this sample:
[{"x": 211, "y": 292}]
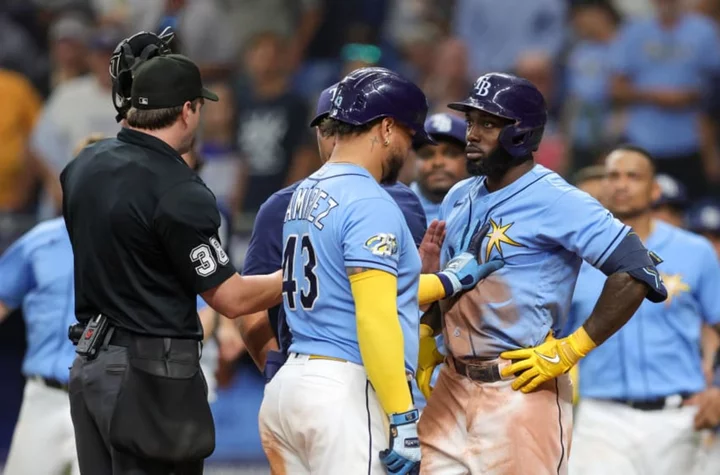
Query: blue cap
[
  {"x": 324, "y": 104},
  {"x": 446, "y": 126},
  {"x": 704, "y": 216},
  {"x": 672, "y": 192},
  {"x": 367, "y": 94}
]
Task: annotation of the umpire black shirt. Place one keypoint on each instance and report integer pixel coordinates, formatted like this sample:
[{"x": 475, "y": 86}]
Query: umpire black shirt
[{"x": 143, "y": 228}]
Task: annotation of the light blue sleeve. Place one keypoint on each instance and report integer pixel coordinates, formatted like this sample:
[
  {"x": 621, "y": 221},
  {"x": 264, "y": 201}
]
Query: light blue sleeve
[
  {"x": 580, "y": 224},
  {"x": 371, "y": 232},
  {"x": 708, "y": 292},
  {"x": 201, "y": 304},
  {"x": 16, "y": 274},
  {"x": 622, "y": 51}
]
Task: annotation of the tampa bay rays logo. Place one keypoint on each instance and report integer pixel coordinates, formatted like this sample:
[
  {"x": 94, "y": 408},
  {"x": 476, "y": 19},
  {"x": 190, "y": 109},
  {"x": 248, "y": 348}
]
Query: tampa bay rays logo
[
  {"x": 498, "y": 237},
  {"x": 382, "y": 244},
  {"x": 482, "y": 86},
  {"x": 441, "y": 123}
]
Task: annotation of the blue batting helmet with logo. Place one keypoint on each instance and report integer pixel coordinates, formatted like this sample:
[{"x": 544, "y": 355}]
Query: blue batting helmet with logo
[
  {"x": 323, "y": 105},
  {"x": 512, "y": 98},
  {"x": 446, "y": 126},
  {"x": 704, "y": 217},
  {"x": 368, "y": 94}
]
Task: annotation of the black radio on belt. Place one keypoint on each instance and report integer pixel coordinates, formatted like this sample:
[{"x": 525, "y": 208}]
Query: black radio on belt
[{"x": 93, "y": 337}]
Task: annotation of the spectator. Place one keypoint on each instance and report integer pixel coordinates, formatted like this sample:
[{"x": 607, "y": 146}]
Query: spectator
[
  {"x": 203, "y": 30},
  {"x": 537, "y": 67},
  {"x": 221, "y": 162},
  {"x": 449, "y": 77},
  {"x": 19, "y": 53},
  {"x": 497, "y": 33},
  {"x": 21, "y": 108},
  {"x": 588, "y": 111},
  {"x": 660, "y": 66},
  {"x": 76, "y": 109},
  {"x": 273, "y": 134},
  {"x": 68, "y": 38}
]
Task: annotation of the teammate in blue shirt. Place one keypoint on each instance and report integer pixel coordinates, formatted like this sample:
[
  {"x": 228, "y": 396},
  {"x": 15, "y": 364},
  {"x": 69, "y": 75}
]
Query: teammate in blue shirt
[
  {"x": 36, "y": 274},
  {"x": 266, "y": 332},
  {"x": 640, "y": 391},
  {"x": 439, "y": 166},
  {"x": 352, "y": 287},
  {"x": 503, "y": 401}
]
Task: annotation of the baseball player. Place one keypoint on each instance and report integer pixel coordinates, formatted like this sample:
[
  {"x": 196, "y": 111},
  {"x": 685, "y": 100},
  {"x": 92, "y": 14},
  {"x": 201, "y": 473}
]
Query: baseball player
[
  {"x": 704, "y": 218},
  {"x": 480, "y": 418},
  {"x": 439, "y": 166},
  {"x": 36, "y": 273},
  {"x": 351, "y": 294},
  {"x": 266, "y": 333},
  {"x": 641, "y": 390}
]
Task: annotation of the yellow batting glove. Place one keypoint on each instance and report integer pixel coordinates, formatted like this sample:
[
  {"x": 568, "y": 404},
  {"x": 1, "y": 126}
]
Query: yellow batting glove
[
  {"x": 534, "y": 366},
  {"x": 429, "y": 357}
]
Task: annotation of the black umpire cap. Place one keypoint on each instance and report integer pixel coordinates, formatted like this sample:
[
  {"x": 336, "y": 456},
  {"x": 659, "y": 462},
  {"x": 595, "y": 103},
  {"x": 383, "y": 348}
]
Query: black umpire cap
[{"x": 167, "y": 81}]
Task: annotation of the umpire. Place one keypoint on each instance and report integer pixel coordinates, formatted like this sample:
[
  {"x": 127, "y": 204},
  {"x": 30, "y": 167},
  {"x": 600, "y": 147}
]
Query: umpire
[{"x": 143, "y": 228}]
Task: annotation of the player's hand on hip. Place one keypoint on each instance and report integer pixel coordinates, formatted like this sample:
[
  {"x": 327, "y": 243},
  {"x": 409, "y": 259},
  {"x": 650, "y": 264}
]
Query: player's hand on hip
[
  {"x": 465, "y": 270},
  {"x": 534, "y": 366},
  {"x": 708, "y": 404},
  {"x": 428, "y": 358},
  {"x": 403, "y": 455}
]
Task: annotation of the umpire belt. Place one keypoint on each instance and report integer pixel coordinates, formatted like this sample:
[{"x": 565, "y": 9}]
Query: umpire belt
[{"x": 477, "y": 370}]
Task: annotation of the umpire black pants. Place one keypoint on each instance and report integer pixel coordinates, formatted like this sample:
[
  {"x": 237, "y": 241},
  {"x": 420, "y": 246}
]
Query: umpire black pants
[{"x": 94, "y": 387}]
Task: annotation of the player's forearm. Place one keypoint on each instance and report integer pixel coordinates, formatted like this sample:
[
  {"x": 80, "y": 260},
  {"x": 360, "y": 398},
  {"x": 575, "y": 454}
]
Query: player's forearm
[
  {"x": 430, "y": 289},
  {"x": 380, "y": 338},
  {"x": 4, "y": 311},
  {"x": 259, "y": 338},
  {"x": 620, "y": 298}
]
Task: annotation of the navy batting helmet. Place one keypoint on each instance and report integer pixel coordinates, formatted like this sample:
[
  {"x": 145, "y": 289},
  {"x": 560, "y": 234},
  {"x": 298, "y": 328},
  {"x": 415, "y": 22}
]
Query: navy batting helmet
[
  {"x": 323, "y": 105},
  {"x": 368, "y": 94},
  {"x": 128, "y": 55},
  {"x": 512, "y": 98},
  {"x": 446, "y": 126}
]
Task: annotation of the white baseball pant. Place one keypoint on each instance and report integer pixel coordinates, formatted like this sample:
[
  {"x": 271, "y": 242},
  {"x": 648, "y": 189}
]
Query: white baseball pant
[
  {"x": 611, "y": 438},
  {"x": 44, "y": 438},
  {"x": 322, "y": 416}
]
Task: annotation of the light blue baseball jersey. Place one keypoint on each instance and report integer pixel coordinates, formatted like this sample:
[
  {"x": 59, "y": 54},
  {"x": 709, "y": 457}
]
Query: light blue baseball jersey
[
  {"x": 657, "y": 353},
  {"x": 543, "y": 228},
  {"x": 656, "y": 58},
  {"x": 36, "y": 273},
  {"x": 340, "y": 218},
  {"x": 432, "y": 210}
]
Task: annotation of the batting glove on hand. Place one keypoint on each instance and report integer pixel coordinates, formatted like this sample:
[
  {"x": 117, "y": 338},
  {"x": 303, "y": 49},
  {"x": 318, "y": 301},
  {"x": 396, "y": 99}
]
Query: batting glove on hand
[
  {"x": 464, "y": 271},
  {"x": 403, "y": 456},
  {"x": 546, "y": 361},
  {"x": 428, "y": 358}
]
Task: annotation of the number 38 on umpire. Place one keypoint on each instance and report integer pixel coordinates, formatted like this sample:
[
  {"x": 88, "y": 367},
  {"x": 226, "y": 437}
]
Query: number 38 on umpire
[{"x": 143, "y": 228}]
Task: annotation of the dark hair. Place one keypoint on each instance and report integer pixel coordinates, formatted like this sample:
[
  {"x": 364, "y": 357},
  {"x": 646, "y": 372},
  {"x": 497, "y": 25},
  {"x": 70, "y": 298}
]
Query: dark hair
[
  {"x": 343, "y": 129},
  {"x": 604, "y": 5},
  {"x": 592, "y": 172},
  {"x": 628, "y": 147},
  {"x": 325, "y": 127},
  {"x": 155, "y": 119}
]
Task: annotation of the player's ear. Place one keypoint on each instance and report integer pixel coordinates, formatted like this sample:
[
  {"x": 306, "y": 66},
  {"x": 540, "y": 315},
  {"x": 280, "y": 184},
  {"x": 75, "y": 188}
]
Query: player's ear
[{"x": 386, "y": 129}]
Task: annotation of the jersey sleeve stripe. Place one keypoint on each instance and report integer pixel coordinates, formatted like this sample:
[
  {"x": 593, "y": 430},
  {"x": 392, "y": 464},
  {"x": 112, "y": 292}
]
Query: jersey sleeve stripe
[
  {"x": 371, "y": 265},
  {"x": 622, "y": 232}
]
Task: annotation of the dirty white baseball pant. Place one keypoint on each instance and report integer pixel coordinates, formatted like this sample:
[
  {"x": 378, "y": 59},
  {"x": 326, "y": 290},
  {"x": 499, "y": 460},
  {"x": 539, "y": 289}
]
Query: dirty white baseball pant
[
  {"x": 322, "y": 417},
  {"x": 44, "y": 438},
  {"x": 473, "y": 428},
  {"x": 611, "y": 438}
]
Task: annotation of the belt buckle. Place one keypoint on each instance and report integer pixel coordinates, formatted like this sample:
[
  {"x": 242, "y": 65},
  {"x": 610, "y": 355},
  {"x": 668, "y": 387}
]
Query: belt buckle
[{"x": 478, "y": 372}]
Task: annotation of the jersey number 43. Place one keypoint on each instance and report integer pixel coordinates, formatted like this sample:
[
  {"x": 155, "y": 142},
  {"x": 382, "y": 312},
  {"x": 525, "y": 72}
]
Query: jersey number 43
[{"x": 303, "y": 248}]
